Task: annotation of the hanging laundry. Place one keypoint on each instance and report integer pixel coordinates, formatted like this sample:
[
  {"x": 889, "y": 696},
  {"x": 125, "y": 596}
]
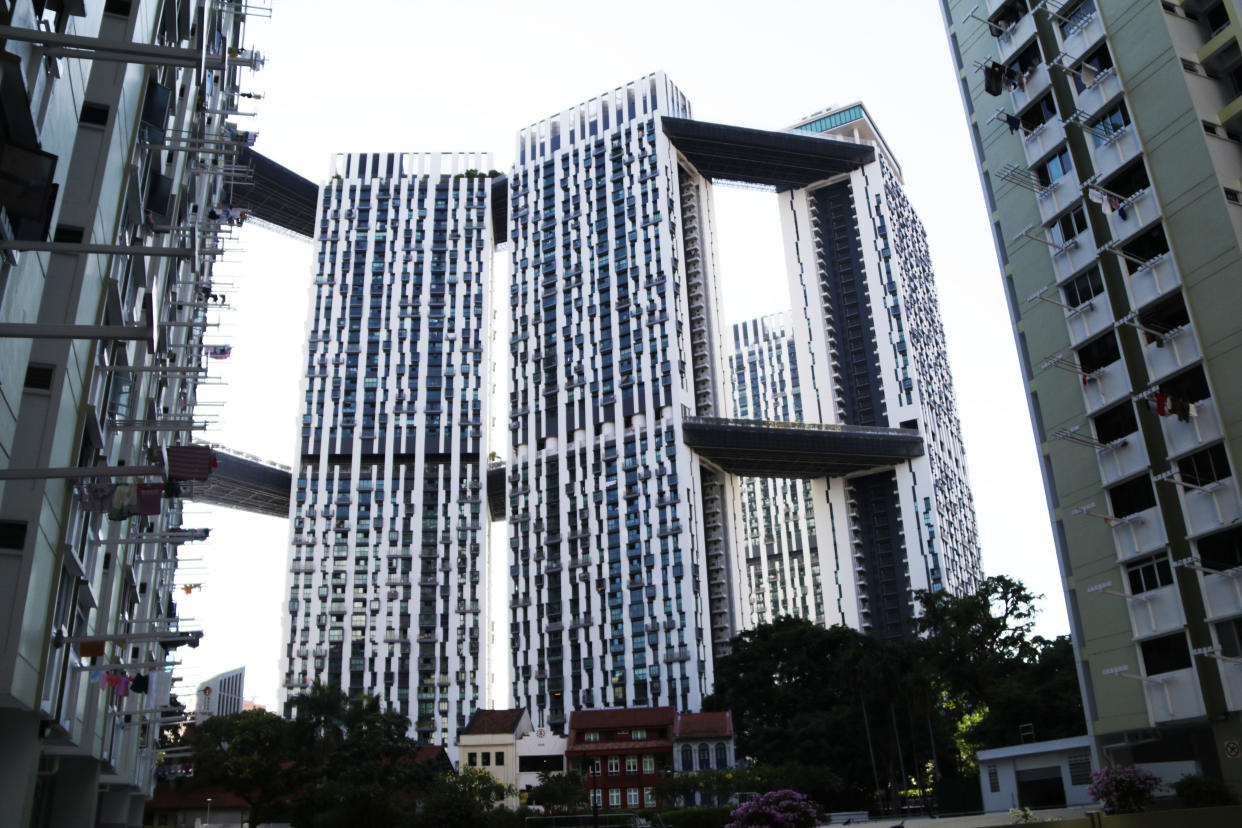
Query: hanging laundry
[
  {"x": 91, "y": 649},
  {"x": 1181, "y": 408},
  {"x": 1162, "y": 404},
  {"x": 219, "y": 351},
  {"x": 1013, "y": 122},
  {"x": 993, "y": 78},
  {"x": 188, "y": 588},
  {"x": 1088, "y": 74},
  {"x": 122, "y": 686},
  {"x": 95, "y": 497},
  {"x": 124, "y": 502},
  {"x": 150, "y": 496},
  {"x": 139, "y": 683},
  {"x": 1095, "y": 195},
  {"x": 111, "y": 679},
  {"x": 1121, "y": 210},
  {"x": 95, "y": 676},
  {"x": 172, "y": 488}
]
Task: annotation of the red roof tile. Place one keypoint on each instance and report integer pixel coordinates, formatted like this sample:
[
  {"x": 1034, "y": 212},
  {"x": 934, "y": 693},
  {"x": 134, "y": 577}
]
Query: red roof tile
[
  {"x": 615, "y": 717},
  {"x": 494, "y": 721},
  {"x": 704, "y": 726}
]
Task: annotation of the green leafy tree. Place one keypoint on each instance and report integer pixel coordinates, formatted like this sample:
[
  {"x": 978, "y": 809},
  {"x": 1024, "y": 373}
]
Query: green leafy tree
[
  {"x": 559, "y": 791},
  {"x": 356, "y": 765},
  {"x": 249, "y": 755},
  {"x": 462, "y": 800}
]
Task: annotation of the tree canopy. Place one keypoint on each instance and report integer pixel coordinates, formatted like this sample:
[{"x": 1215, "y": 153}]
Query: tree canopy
[{"x": 891, "y": 716}]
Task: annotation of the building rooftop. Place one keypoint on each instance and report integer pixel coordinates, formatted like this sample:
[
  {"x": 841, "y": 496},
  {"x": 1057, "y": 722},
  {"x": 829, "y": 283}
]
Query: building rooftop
[
  {"x": 494, "y": 721},
  {"x": 704, "y": 726},
  {"x": 614, "y": 717}
]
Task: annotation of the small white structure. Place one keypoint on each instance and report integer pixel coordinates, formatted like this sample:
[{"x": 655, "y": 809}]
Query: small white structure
[
  {"x": 1051, "y": 774},
  {"x": 540, "y": 751}
]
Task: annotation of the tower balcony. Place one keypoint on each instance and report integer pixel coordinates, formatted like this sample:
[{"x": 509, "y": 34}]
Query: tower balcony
[
  {"x": 1088, "y": 319},
  {"x": 1122, "y": 458},
  {"x": 1015, "y": 37},
  {"x": 1139, "y": 533},
  {"x": 1172, "y": 696},
  {"x": 1076, "y": 254},
  {"x": 1042, "y": 140},
  {"x": 1171, "y": 352},
  {"x": 1156, "y": 612},
  {"x": 1057, "y": 196},
  {"x": 1120, "y": 147},
  {"x": 1154, "y": 279},
  {"x": 1105, "y": 88},
  {"x": 1202, "y": 428},
  {"x": 1035, "y": 84},
  {"x": 1231, "y": 678},
  {"x": 1222, "y": 595},
  {"x": 1079, "y": 37},
  {"x": 1105, "y": 386},
  {"x": 1141, "y": 209},
  {"x": 1211, "y": 507}
]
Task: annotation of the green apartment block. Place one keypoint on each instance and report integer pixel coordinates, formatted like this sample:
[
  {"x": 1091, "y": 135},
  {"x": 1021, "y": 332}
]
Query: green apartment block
[{"x": 1107, "y": 135}]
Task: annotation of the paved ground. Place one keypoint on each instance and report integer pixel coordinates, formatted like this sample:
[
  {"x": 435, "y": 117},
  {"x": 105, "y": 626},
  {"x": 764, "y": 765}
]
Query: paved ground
[{"x": 973, "y": 821}]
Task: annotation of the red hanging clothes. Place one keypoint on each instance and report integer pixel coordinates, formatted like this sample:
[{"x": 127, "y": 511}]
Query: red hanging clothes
[{"x": 1162, "y": 404}]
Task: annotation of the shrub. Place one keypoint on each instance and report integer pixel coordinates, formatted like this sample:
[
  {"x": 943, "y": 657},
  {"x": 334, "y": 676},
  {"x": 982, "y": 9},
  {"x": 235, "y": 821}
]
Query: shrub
[
  {"x": 696, "y": 818},
  {"x": 775, "y": 809},
  {"x": 1204, "y": 792},
  {"x": 1123, "y": 788}
]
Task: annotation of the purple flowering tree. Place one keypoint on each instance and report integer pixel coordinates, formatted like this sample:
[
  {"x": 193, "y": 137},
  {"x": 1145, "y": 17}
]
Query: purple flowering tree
[
  {"x": 776, "y": 809},
  {"x": 1123, "y": 788}
]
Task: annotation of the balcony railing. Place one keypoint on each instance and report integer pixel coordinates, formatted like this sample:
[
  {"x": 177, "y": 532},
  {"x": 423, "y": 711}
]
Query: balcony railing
[
  {"x": 1122, "y": 458},
  {"x": 1089, "y": 318},
  {"x": 1120, "y": 147},
  {"x": 1174, "y": 695},
  {"x": 1057, "y": 196},
  {"x": 1106, "y": 87},
  {"x": 1202, "y": 428},
  {"x": 1080, "y": 36},
  {"x": 1139, "y": 533},
  {"x": 1042, "y": 140},
  {"x": 1156, "y": 611},
  {"x": 1211, "y": 507},
  {"x": 1156, "y": 278},
  {"x": 1140, "y": 210},
  {"x": 1077, "y": 253},
  {"x": 1171, "y": 352},
  {"x": 1033, "y": 86},
  {"x": 1105, "y": 386}
]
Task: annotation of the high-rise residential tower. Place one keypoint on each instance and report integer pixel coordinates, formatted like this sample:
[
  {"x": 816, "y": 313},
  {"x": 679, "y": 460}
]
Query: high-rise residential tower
[
  {"x": 872, "y": 353},
  {"x": 1107, "y": 133},
  {"x": 775, "y": 567},
  {"x": 388, "y": 540},
  {"x": 623, "y": 453},
  {"x": 613, "y": 315}
]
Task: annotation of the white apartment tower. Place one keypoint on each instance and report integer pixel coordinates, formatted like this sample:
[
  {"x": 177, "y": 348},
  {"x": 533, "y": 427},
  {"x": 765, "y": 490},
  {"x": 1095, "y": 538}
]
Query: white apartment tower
[
  {"x": 388, "y": 546},
  {"x": 613, "y": 320},
  {"x": 873, "y": 354}
]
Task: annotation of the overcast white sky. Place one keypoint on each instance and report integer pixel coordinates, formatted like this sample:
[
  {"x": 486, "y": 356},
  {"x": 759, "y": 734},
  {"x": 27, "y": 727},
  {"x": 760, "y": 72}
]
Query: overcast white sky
[{"x": 410, "y": 75}]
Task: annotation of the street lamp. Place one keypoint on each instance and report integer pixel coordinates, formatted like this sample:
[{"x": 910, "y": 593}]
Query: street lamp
[{"x": 208, "y": 821}]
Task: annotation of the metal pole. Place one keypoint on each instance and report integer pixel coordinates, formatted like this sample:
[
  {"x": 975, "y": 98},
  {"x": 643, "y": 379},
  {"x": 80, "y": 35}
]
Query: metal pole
[
  {"x": 36, "y": 330},
  {"x": 31, "y": 246},
  {"x": 79, "y": 473}
]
